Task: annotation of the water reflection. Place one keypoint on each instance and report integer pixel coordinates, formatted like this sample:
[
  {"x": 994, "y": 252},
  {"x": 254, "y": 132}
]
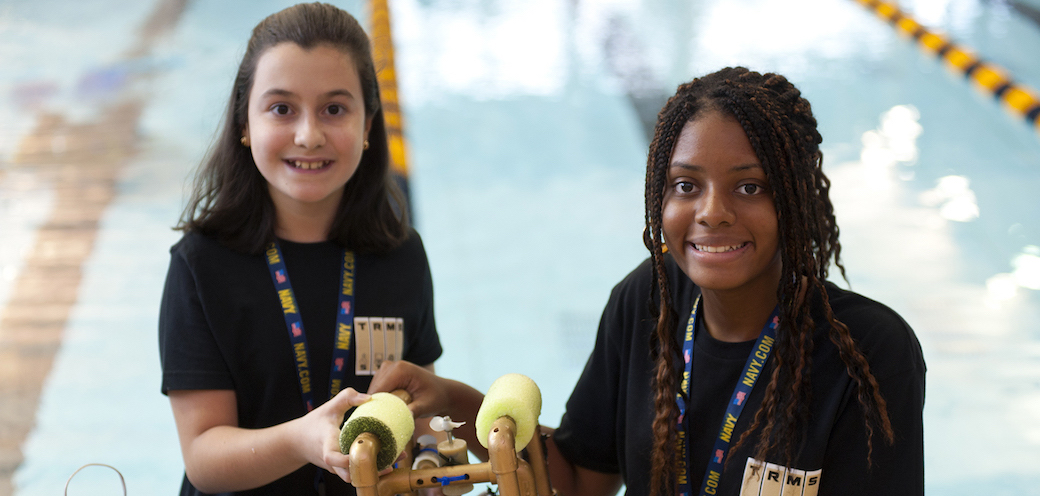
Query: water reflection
[
  {"x": 904, "y": 247},
  {"x": 25, "y": 203},
  {"x": 893, "y": 143},
  {"x": 1026, "y": 274},
  {"x": 1027, "y": 268},
  {"x": 480, "y": 49},
  {"x": 782, "y": 37},
  {"x": 956, "y": 201}
]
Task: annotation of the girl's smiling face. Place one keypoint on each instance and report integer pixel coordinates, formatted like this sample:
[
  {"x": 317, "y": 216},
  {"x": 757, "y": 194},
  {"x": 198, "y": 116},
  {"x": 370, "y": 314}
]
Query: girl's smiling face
[
  {"x": 718, "y": 216},
  {"x": 306, "y": 124}
]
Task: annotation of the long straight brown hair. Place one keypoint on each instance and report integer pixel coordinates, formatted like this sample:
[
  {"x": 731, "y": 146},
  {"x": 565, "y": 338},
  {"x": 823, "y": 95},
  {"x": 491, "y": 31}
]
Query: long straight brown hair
[
  {"x": 230, "y": 199},
  {"x": 782, "y": 130}
]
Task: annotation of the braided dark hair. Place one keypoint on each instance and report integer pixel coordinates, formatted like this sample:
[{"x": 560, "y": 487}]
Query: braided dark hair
[{"x": 782, "y": 131}]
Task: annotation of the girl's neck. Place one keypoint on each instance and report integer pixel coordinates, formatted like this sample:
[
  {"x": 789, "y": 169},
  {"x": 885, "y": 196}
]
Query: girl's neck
[
  {"x": 738, "y": 315},
  {"x": 304, "y": 222},
  {"x": 301, "y": 230}
]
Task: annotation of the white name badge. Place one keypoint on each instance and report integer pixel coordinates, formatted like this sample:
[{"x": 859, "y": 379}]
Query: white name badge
[
  {"x": 378, "y": 339},
  {"x": 770, "y": 479},
  {"x": 378, "y": 342},
  {"x": 363, "y": 338}
]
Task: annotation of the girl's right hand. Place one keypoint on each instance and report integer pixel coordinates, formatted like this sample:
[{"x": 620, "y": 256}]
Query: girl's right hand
[
  {"x": 430, "y": 393},
  {"x": 433, "y": 395}
]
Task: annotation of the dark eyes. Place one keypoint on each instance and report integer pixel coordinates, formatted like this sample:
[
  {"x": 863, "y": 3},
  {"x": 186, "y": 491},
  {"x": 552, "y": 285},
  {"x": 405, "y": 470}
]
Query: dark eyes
[
  {"x": 283, "y": 109},
  {"x": 750, "y": 189},
  {"x": 684, "y": 187}
]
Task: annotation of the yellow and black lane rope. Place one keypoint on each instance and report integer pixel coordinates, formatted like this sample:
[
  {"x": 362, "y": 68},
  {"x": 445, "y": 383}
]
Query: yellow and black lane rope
[
  {"x": 990, "y": 78},
  {"x": 386, "y": 74}
]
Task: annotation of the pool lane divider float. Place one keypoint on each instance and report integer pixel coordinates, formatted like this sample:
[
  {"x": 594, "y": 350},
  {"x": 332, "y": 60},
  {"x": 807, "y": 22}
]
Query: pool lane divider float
[
  {"x": 989, "y": 78},
  {"x": 386, "y": 73}
]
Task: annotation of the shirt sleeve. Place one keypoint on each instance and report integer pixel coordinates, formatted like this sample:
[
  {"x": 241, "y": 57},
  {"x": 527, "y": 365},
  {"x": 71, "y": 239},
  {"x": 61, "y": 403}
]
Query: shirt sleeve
[
  {"x": 424, "y": 345},
  {"x": 188, "y": 350},
  {"x": 896, "y": 469},
  {"x": 588, "y": 431}
]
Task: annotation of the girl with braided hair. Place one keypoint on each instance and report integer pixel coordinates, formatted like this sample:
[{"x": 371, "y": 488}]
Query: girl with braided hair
[{"x": 748, "y": 373}]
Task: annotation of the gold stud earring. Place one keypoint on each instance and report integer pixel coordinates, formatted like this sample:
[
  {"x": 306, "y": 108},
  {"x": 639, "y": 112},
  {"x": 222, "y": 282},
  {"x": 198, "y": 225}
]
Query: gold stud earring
[
  {"x": 365, "y": 145},
  {"x": 245, "y": 141}
]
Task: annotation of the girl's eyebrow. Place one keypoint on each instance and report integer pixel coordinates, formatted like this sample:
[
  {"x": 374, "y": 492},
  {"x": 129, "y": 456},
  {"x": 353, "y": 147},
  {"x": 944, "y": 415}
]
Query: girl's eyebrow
[
  {"x": 287, "y": 93},
  {"x": 340, "y": 92},
  {"x": 277, "y": 92},
  {"x": 700, "y": 168}
]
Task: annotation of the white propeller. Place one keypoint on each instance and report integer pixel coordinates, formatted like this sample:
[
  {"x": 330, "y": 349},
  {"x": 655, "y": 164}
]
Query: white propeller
[{"x": 444, "y": 424}]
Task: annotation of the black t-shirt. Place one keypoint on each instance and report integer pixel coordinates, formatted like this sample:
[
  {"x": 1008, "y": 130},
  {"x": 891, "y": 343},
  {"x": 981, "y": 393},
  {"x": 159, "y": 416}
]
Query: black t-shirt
[
  {"x": 607, "y": 424},
  {"x": 221, "y": 327}
]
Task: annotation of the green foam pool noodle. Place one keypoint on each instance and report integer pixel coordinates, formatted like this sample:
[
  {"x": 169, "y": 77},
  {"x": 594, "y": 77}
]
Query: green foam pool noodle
[
  {"x": 386, "y": 416},
  {"x": 517, "y": 397}
]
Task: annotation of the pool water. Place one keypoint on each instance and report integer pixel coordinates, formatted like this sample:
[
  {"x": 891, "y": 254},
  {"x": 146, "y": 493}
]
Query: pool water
[{"x": 527, "y": 126}]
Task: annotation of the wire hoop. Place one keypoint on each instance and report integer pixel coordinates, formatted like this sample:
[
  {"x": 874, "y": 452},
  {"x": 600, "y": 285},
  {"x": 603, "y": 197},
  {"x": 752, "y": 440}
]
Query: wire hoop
[{"x": 120, "y": 474}]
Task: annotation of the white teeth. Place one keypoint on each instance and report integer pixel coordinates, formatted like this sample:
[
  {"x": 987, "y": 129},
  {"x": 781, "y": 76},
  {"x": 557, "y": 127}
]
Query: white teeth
[
  {"x": 717, "y": 249},
  {"x": 310, "y": 165}
]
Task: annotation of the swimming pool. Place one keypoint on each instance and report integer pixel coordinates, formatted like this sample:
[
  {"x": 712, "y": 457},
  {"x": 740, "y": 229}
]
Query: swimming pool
[{"x": 526, "y": 124}]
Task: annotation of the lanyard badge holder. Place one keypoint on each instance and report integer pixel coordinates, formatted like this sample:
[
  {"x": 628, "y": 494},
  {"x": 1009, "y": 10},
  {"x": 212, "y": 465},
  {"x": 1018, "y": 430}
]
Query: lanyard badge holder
[
  {"x": 298, "y": 337},
  {"x": 752, "y": 369}
]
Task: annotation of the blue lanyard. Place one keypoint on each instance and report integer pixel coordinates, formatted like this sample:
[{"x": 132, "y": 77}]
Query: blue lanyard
[
  {"x": 293, "y": 322},
  {"x": 752, "y": 369}
]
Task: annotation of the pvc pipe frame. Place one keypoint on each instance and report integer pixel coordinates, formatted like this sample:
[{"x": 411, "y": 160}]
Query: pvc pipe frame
[{"x": 514, "y": 476}]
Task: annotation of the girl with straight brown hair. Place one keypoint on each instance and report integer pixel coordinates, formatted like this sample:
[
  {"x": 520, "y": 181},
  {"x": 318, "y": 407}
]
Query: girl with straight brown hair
[{"x": 294, "y": 231}]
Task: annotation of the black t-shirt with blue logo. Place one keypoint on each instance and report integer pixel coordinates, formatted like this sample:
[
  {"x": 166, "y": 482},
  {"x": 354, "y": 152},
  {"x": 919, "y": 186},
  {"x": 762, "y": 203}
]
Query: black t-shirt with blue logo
[
  {"x": 221, "y": 327},
  {"x": 607, "y": 424}
]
